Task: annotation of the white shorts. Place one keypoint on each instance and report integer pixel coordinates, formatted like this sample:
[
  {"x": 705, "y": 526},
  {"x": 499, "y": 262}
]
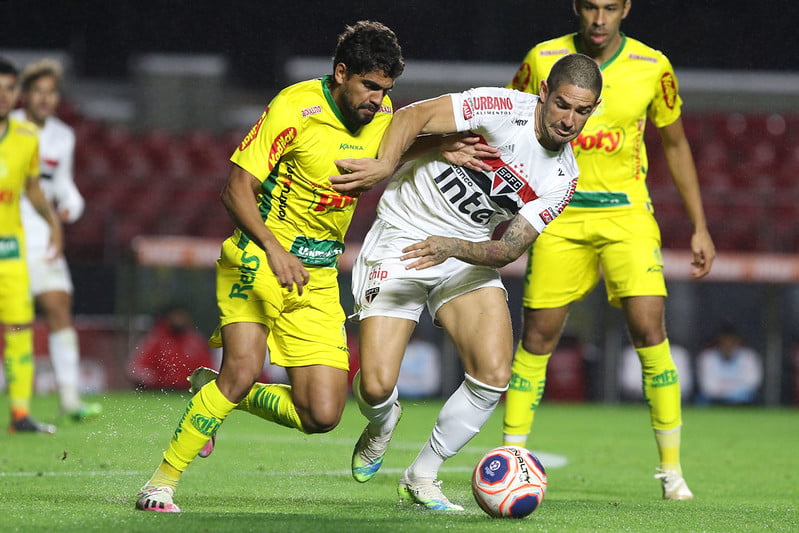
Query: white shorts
[
  {"x": 47, "y": 276},
  {"x": 382, "y": 286}
]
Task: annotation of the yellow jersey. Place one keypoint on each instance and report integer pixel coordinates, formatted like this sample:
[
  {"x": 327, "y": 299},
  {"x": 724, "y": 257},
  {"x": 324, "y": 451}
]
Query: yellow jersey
[
  {"x": 638, "y": 82},
  {"x": 19, "y": 159},
  {"x": 292, "y": 150}
]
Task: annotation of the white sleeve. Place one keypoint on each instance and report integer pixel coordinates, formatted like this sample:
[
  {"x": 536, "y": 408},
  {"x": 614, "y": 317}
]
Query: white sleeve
[
  {"x": 483, "y": 106},
  {"x": 66, "y": 193}
]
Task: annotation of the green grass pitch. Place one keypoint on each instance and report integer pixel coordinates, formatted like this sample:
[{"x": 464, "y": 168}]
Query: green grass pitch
[{"x": 741, "y": 464}]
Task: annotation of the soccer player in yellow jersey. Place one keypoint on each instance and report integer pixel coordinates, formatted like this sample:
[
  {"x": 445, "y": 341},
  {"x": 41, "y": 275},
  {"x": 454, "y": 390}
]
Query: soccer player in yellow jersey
[
  {"x": 19, "y": 172},
  {"x": 610, "y": 223},
  {"x": 277, "y": 274}
]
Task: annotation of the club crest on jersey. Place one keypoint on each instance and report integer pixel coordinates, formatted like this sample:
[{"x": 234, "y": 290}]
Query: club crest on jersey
[
  {"x": 669, "y": 86},
  {"x": 506, "y": 182}
]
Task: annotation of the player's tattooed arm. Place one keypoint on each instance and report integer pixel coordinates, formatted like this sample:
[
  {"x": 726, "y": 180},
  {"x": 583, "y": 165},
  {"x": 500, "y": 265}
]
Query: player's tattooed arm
[{"x": 436, "y": 249}]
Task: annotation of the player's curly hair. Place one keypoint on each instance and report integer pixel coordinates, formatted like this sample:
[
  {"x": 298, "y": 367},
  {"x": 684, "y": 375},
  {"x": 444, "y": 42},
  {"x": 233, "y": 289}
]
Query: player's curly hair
[
  {"x": 369, "y": 46},
  {"x": 576, "y": 69},
  {"x": 39, "y": 69}
]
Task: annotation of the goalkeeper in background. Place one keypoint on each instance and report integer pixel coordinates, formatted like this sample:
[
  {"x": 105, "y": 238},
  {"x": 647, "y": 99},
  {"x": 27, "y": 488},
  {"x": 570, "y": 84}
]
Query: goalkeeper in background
[{"x": 610, "y": 223}]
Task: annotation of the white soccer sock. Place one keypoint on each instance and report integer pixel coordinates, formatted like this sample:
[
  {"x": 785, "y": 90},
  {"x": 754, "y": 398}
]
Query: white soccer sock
[
  {"x": 63, "y": 345},
  {"x": 381, "y": 416},
  {"x": 461, "y": 418}
]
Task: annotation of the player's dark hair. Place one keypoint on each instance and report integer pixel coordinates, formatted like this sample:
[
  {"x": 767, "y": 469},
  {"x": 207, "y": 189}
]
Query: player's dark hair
[
  {"x": 576, "y": 69},
  {"x": 7, "y": 67},
  {"x": 369, "y": 46}
]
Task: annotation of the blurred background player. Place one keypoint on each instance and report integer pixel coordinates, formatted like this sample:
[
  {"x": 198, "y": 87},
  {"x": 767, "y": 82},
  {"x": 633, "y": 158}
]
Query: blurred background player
[
  {"x": 50, "y": 281},
  {"x": 19, "y": 172},
  {"x": 169, "y": 352},
  {"x": 610, "y": 223},
  {"x": 277, "y": 276},
  {"x": 728, "y": 372}
]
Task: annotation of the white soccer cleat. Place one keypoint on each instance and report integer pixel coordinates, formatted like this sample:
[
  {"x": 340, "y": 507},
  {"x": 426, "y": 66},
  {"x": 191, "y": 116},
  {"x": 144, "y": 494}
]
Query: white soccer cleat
[
  {"x": 200, "y": 378},
  {"x": 158, "y": 499},
  {"x": 426, "y": 492},
  {"x": 674, "y": 486},
  {"x": 367, "y": 457}
]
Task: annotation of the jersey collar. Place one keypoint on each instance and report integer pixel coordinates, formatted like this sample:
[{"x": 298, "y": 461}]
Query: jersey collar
[
  {"x": 352, "y": 128},
  {"x": 607, "y": 63}
]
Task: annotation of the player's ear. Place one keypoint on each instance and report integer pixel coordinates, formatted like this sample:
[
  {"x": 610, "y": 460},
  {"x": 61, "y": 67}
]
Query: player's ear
[
  {"x": 543, "y": 90},
  {"x": 576, "y": 7},
  {"x": 340, "y": 73},
  {"x": 628, "y": 4}
]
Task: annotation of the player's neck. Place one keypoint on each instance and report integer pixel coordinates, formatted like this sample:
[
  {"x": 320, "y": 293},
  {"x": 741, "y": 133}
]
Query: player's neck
[
  {"x": 605, "y": 53},
  {"x": 31, "y": 118},
  {"x": 3, "y": 127}
]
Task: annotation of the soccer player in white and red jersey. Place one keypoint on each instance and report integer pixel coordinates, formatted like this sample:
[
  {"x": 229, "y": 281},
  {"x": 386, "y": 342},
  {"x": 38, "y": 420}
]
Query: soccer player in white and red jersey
[
  {"x": 277, "y": 276},
  {"x": 432, "y": 245},
  {"x": 610, "y": 223},
  {"x": 50, "y": 281}
]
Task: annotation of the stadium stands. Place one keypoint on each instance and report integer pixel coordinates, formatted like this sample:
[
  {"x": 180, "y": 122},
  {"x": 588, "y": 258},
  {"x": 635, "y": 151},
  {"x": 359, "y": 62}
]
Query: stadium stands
[{"x": 156, "y": 182}]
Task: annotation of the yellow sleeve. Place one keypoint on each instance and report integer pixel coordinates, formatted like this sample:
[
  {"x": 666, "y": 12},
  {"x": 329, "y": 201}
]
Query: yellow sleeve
[
  {"x": 523, "y": 79},
  {"x": 273, "y": 136},
  {"x": 665, "y": 107},
  {"x": 33, "y": 165}
]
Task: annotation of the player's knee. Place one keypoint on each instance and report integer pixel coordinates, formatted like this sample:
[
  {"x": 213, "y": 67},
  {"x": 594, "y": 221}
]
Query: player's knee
[
  {"x": 376, "y": 389},
  {"x": 538, "y": 341},
  {"x": 319, "y": 419}
]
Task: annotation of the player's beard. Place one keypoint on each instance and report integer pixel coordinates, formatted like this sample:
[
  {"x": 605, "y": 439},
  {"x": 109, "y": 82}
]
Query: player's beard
[{"x": 357, "y": 113}]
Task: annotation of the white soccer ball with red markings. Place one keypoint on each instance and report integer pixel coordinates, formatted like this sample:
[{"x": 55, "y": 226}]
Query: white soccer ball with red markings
[{"x": 509, "y": 482}]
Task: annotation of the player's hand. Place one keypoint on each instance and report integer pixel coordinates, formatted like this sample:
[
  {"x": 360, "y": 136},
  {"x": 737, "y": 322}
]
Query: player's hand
[
  {"x": 359, "y": 175},
  {"x": 704, "y": 253},
  {"x": 467, "y": 151},
  {"x": 55, "y": 246},
  {"x": 289, "y": 269},
  {"x": 429, "y": 252}
]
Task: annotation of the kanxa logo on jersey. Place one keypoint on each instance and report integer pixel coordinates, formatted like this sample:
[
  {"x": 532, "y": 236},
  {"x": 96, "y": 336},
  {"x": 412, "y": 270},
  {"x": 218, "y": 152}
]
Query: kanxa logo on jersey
[
  {"x": 253, "y": 133},
  {"x": 604, "y": 139}
]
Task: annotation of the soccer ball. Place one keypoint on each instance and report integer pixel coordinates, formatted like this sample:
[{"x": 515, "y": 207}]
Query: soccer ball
[{"x": 509, "y": 482}]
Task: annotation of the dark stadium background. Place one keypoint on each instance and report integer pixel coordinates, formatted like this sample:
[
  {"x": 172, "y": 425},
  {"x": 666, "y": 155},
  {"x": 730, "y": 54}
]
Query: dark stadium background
[{"x": 103, "y": 40}]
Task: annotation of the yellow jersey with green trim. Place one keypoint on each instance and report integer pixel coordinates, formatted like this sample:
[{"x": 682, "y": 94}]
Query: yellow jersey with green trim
[
  {"x": 638, "y": 82},
  {"x": 19, "y": 159},
  {"x": 292, "y": 150}
]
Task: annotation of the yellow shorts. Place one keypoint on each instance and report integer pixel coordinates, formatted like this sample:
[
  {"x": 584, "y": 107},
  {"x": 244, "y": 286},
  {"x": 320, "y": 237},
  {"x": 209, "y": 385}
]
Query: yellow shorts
[
  {"x": 16, "y": 303},
  {"x": 566, "y": 258},
  {"x": 304, "y": 330}
]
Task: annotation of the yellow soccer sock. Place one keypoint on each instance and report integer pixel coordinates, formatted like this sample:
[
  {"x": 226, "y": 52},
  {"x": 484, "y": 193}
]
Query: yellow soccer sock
[
  {"x": 272, "y": 402},
  {"x": 528, "y": 378},
  {"x": 166, "y": 475},
  {"x": 19, "y": 370},
  {"x": 669, "y": 447},
  {"x": 662, "y": 392},
  {"x": 204, "y": 414}
]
